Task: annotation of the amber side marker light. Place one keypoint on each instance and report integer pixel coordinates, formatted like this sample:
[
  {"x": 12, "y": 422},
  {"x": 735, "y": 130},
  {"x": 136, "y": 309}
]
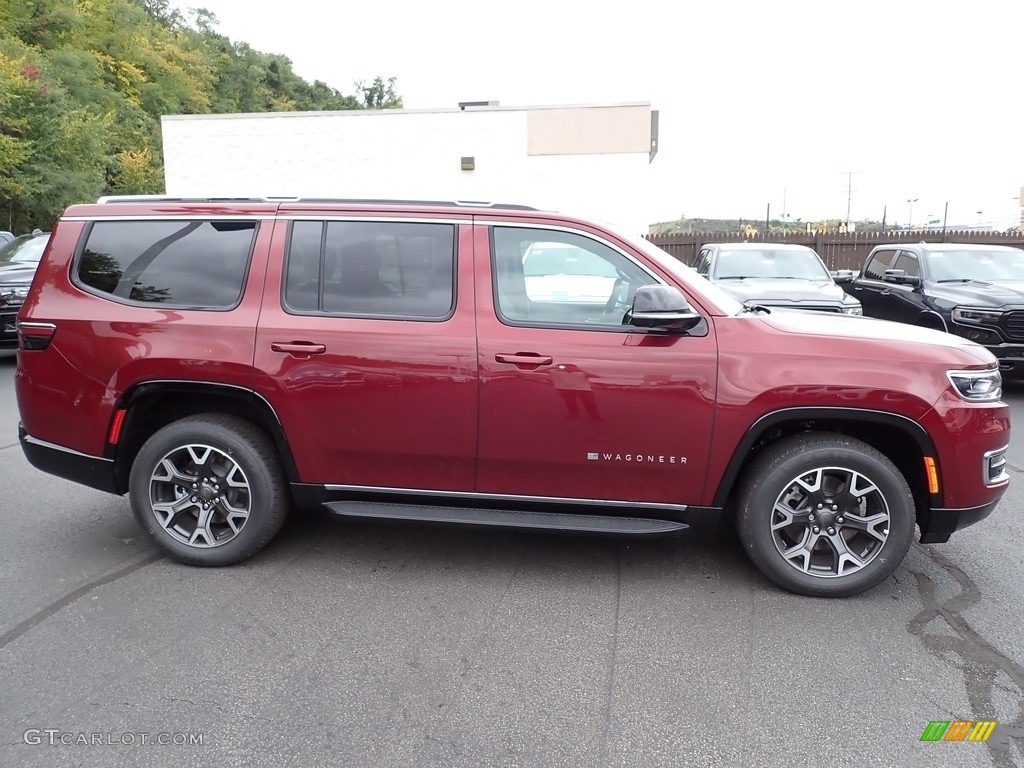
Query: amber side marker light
[{"x": 932, "y": 473}]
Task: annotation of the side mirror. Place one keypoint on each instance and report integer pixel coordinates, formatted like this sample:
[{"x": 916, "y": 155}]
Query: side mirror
[
  {"x": 663, "y": 307},
  {"x": 842, "y": 276},
  {"x": 900, "y": 277}
]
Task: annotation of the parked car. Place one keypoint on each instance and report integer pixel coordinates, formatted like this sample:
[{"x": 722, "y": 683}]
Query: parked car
[
  {"x": 777, "y": 275},
  {"x": 18, "y": 261},
  {"x": 972, "y": 291},
  {"x": 223, "y": 361},
  {"x": 5, "y": 236}
]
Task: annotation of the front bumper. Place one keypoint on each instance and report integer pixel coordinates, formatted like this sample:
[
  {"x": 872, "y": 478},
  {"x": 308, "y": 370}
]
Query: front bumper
[{"x": 939, "y": 524}]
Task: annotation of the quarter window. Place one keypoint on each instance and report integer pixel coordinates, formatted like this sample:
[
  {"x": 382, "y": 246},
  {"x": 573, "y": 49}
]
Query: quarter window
[
  {"x": 380, "y": 269},
  {"x": 548, "y": 277},
  {"x": 189, "y": 264}
]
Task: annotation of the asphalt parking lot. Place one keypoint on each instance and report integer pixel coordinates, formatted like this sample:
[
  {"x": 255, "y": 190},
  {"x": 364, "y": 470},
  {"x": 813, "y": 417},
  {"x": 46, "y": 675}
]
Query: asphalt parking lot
[{"x": 383, "y": 645}]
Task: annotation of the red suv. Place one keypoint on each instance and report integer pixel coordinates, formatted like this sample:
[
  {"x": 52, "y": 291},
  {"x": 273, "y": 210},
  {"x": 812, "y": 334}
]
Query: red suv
[{"x": 222, "y": 361}]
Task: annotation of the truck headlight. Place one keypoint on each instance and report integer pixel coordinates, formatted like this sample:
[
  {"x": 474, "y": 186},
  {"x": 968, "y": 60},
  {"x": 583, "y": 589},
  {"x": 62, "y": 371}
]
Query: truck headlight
[
  {"x": 853, "y": 309},
  {"x": 976, "y": 316},
  {"x": 977, "y": 386}
]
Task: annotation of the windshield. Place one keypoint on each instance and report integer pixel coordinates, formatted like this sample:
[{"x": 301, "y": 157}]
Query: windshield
[
  {"x": 990, "y": 266},
  {"x": 24, "y": 249},
  {"x": 800, "y": 264},
  {"x": 687, "y": 276}
]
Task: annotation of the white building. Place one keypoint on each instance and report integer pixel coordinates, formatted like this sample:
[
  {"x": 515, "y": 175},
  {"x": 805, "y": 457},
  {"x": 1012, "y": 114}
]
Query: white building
[{"x": 588, "y": 160}]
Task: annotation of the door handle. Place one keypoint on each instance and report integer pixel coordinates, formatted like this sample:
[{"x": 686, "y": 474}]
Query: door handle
[
  {"x": 298, "y": 347},
  {"x": 529, "y": 360}
]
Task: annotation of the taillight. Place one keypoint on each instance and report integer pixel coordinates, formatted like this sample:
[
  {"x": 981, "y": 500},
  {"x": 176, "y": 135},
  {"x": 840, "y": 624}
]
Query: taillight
[{"x": 35, "y": 335}]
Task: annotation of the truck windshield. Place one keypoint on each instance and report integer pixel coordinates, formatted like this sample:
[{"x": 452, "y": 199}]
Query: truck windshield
[
  {"x": 976, "y": 264},
  {"x": 796, "y": 264}
]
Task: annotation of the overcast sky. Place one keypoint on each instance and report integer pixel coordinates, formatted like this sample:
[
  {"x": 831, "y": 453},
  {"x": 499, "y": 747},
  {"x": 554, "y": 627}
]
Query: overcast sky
[{"x": 761, "y": 102}]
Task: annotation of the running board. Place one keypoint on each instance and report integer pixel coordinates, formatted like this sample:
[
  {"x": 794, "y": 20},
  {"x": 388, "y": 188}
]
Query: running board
[{"x": 504, "y": 518}]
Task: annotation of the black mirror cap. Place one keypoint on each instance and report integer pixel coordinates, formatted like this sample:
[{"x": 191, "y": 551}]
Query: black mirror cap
[{"x": 663, "y": 307}]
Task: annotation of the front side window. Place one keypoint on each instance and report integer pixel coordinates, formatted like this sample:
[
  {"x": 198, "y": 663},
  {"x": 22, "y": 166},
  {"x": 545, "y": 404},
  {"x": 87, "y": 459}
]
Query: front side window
[
  {"x": 703, "y": 262},
  {"x": 380, "y": 269},
  {"x": 881, "y": 261},
  {"x": 187, "y": 264},
  {"x": 907, "y": 261},
  {"x": 561, "y": 278}
]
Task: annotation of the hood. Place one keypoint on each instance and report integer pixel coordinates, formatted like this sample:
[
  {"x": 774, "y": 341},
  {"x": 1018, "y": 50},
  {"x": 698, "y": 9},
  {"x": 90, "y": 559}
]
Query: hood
[
  {"x": 772, "y": 290},
  {"x": 18, "y": 272},
  {"x": 979, "y": 294},
  {"x": 899, "y": 337}
]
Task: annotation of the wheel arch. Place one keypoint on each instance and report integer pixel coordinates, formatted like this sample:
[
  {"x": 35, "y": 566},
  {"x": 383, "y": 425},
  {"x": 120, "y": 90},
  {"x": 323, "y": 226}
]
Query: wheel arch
[
  {"x": 901, "y": 439},
  {"x": 152, "y": 405}
]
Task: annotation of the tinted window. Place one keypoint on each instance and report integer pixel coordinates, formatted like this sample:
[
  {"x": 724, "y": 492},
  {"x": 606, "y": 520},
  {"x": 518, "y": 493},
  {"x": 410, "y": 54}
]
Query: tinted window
[
  {"x": 561, "y": 278},
  {"x": 907, "y": 262},
  {"x": 384, "y": 269},
  {"x": 880, "y": 262},
  {"x": 703, "y": 263},
  {"x": 184, "y": 263}
]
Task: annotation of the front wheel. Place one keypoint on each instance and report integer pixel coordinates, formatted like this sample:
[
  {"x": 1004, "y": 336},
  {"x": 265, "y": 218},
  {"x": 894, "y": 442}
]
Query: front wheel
[
  {"x": 825, "y": 515},
  {"x": 208, "y": 490}
]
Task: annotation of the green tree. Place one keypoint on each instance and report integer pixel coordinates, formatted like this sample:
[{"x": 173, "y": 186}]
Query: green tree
[{"x": 83, "y": 84}]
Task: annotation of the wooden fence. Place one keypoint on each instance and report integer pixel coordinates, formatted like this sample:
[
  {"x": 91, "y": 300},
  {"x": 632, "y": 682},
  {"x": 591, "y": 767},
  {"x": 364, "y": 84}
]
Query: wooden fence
[{"x": 837, "y": 250}]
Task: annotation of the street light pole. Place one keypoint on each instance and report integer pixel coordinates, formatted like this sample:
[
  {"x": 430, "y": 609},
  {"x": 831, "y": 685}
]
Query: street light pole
[{"x": 910, "y": 215}]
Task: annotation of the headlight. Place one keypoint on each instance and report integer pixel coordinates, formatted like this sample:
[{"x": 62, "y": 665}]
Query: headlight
[
  {"x": 977, "y": 386},
  {"x": 975, "y": 316},
  {"x": 21, "y": 292},
  {"x": 853, "y": 309}
]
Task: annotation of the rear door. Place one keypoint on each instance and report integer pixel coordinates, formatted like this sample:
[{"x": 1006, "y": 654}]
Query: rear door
[
  {"x": 574, "y": 404},
  {"x": 366, "y": 350}
]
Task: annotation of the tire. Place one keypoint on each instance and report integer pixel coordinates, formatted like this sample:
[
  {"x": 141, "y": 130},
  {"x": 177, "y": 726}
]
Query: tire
[
  {"x": 244, "y": 498},
  {"x": 855, "y": 497}
]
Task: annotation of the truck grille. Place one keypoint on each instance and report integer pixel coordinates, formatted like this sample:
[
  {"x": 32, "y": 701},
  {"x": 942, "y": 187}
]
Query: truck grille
[{"x": 1014, "y": 324}]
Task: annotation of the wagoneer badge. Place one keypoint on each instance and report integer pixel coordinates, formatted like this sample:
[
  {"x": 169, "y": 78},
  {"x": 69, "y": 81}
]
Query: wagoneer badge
[{"x": 639, "y": 458}]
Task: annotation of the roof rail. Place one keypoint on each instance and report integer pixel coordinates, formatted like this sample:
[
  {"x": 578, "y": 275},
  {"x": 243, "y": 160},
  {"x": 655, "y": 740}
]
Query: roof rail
[
  {"x": 172, "y": 199},
  {"x": 288, "y": 199}
]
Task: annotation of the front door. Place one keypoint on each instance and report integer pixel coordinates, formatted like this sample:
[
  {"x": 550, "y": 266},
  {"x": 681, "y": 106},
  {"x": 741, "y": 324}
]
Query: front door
[{"x": 574, "y": 404}]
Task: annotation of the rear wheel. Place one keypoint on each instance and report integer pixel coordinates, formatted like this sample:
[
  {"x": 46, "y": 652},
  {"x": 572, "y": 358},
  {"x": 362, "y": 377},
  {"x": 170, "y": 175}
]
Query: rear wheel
[
  {"x": 208, "y": 490},
  {"x": 825, "y": 515}
]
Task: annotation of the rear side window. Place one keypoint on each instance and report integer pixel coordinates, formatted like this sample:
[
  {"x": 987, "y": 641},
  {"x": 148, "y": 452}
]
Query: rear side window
[
  {"x": 193, "y": 264},
  {"x": 380, "y": 269}
]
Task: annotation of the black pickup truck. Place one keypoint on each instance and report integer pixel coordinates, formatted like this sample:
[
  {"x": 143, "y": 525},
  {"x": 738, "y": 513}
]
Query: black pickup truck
[{"x": 973, "y": 291}]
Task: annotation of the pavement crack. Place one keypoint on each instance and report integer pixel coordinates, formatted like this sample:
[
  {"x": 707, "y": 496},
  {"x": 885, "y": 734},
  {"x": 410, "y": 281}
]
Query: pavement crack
[
  {"x": 12, "y": 445},
  {"x": 40, "y": 616},
  {"x": 981, "y": 662}
]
